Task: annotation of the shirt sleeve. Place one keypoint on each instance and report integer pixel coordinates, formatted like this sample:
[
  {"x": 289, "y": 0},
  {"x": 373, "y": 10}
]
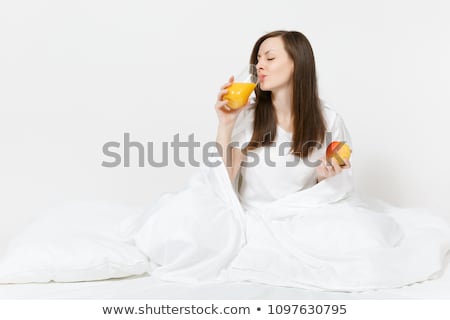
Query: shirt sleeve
[
  {"x": 339, "y": 132},
  {"x": 242, "y": 131}
]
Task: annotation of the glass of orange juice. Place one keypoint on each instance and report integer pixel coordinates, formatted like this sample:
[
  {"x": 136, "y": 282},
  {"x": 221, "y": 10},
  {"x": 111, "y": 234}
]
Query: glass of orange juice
[{"x": 244, "y": 84}]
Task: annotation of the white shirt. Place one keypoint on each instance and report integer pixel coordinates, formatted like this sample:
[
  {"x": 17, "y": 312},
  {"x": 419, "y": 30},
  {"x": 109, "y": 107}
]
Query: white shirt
[{"x": 278, "y": 172}]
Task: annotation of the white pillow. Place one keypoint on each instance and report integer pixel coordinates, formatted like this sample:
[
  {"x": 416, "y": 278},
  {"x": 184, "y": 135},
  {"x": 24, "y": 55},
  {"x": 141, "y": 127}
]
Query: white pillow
[{"x": 78, "y": 242}]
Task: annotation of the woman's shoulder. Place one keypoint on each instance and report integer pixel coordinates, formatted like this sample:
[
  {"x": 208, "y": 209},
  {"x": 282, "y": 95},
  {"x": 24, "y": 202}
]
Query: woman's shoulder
[
  {"x": 335, "y": 124},
  {"x": 331, "y": 116}
]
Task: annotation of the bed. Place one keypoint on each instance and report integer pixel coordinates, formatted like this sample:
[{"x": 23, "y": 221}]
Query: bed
[
  {"x": 72, "y": 239},
  {"x": 147, "y": 287}
]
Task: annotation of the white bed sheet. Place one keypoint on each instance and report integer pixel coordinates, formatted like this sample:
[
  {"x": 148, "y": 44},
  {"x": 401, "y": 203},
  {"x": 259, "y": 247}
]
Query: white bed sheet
[{"x": 147, "y": 287}]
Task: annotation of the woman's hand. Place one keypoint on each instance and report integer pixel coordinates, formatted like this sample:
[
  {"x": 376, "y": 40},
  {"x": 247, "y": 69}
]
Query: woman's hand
[
  {"x": 227, "y": 116},
  {"x": 325, "y": 170}
]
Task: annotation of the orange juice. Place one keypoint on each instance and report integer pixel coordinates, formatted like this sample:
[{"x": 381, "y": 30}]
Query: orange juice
[{"x": 238, "y": 94}]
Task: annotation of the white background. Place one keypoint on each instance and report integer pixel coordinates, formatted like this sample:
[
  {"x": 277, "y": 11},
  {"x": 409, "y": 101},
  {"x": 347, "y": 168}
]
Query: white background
[{"x": 77, "y": 74}]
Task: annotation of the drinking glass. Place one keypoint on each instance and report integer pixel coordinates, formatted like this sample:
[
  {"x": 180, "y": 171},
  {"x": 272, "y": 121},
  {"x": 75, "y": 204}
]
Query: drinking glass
[{"x": 244, "y": 84}]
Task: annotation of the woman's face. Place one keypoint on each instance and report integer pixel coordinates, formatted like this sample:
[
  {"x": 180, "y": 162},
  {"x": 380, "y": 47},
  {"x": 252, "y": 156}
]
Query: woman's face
[{"x": 274, "y": 66}]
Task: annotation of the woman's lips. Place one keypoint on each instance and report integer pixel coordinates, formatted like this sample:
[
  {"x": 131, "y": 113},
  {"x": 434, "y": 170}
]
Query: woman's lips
[{"x": 261, "y": 78}]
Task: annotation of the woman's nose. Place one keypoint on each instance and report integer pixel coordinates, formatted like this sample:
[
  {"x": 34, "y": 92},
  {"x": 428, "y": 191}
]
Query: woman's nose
[{"x": 259, "y": 66}]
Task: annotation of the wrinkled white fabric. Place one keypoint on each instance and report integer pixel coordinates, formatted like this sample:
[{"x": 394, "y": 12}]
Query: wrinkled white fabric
[{"x": 278, "y": 227}]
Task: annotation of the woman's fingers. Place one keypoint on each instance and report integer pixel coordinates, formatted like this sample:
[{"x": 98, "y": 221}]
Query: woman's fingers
[
  {"x": 226, "y": 85},
  {"x": 347, "y": 164},
  {"x": 336, "y": 167},
  {"x": 330, "y": 167},
  {"x": 325, "y": 170},
  {"x": 223, "y": 89},
  {"x": 322, "y": 169},
  {"x": 222, "y": 105},
  {"x": 226, "y": 108},
  {"x": 330, "y": 171},
  {"x": 221, "y": 94}
]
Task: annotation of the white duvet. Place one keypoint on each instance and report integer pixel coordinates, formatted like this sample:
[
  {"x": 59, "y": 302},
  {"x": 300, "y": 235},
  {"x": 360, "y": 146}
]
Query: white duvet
[
  {"x": 323, "y": 238},
  {"x": 320, "y": 237}
]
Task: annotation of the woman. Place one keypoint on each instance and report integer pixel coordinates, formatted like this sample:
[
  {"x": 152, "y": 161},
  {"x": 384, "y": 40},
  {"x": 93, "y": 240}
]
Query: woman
[
  {"x": 286, "y": 101},
  {"x": 288, "y": 218}
]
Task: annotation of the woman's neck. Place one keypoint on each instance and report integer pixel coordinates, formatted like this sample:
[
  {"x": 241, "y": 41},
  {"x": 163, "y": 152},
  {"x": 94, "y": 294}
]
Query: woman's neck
[{"x": 282, "y": 102}]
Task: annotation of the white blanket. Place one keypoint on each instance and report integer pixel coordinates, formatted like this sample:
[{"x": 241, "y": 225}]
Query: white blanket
[{"x": 321, "y": 238}]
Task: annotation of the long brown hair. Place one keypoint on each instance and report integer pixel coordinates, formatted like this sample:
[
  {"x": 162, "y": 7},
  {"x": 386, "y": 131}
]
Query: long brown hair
[{"x": 309, "y": 124}]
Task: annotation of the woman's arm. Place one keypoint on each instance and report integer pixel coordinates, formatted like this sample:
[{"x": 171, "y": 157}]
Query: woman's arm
[
  {"x": 232, "y": 156},
  {"x": 338, "y": 132}
]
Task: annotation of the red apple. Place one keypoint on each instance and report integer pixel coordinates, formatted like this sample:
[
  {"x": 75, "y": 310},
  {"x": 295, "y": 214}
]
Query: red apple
[{"x": 338, "y": 150}]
